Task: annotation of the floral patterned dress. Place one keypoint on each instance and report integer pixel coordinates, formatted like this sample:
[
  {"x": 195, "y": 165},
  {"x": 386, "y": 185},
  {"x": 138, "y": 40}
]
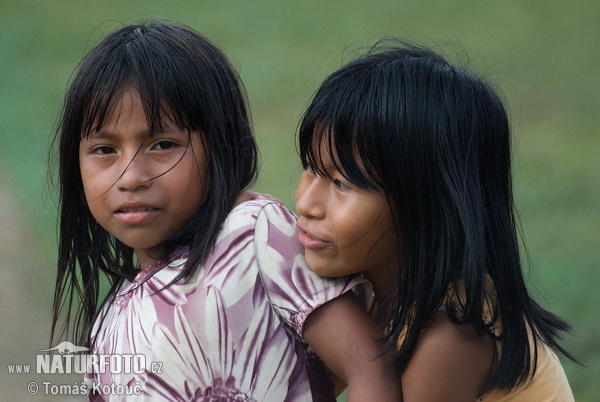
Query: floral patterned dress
[{"x": 230, "y": 333}]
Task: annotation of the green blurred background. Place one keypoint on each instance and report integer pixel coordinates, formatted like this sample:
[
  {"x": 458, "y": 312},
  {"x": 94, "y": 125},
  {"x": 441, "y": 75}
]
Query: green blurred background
[{"x": 544, "y": 56}]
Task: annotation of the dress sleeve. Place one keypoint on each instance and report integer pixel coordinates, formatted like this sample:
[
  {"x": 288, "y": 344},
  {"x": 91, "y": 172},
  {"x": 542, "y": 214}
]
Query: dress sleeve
[{"x": 293, "y": 289}]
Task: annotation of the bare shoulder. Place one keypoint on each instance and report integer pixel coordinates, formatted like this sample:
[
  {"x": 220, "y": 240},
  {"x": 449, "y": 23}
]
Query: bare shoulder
[{"x": 450, "y": 363}]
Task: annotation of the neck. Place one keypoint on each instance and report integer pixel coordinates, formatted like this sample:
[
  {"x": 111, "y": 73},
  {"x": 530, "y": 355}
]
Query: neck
[
  {"x": 384, "y": 289},
  {"x": 147, "y": 257}
]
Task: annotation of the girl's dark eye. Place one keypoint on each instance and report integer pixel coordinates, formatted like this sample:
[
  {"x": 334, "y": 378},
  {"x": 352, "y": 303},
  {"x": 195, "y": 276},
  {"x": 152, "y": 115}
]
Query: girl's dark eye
[
  {"x": 340, "y": 185},
  {"x": 103, "y": 150},
  {"x": 162, "y": 145}
]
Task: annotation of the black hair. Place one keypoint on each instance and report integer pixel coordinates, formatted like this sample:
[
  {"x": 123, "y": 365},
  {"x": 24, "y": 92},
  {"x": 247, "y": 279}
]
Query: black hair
[
  {"x": 179, "y": 75},
  {"x": 435, "y": 141}
]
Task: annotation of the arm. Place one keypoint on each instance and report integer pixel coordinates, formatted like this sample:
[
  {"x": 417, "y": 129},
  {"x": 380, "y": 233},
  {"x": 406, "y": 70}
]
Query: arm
[
  {"x": 324, "y": 311},
  {"x": 450, "y": 363},
  {"x": 344, "y": 336}
]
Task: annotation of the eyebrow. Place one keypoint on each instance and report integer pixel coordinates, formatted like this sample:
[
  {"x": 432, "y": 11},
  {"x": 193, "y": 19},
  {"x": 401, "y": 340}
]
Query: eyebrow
[
  {"x": 106, "y": 134},
  {"x": 101, "y": 134}
]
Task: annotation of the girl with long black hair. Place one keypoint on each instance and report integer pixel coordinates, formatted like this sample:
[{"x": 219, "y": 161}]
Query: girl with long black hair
[{"x": 407, "y": 180}]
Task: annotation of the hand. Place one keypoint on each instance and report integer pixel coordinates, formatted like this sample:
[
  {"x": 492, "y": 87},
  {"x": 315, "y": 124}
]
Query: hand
[{"x": 345, "y": 337}]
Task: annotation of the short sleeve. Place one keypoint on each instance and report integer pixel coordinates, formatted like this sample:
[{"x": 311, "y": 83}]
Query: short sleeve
[{"x": 293, "y": 289}]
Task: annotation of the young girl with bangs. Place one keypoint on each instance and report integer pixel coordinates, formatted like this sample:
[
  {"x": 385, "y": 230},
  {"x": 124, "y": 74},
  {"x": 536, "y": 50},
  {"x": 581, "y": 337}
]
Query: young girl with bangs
[
  {"x": 155, "y": 151},
  {"x": 408, "y": 181}
]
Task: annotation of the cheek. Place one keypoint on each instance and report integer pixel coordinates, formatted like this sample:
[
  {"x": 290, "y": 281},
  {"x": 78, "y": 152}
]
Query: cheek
[
  {"x": 356, "y": 227},
  {"x": 88, "y": 186},
  {"x": 199, "y": 172},
  {"x": 94, "y": 176},
  {"x": 368, "y": 242},
  {"x": 190, "y": 192},
  {"x": 384, "y": 246},
  {"x": 199, "y": 183}
]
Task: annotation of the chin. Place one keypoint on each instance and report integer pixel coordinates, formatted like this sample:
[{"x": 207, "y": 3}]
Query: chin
[
  {"x": 316, "y": 266},
  {"x": 322, "y": 268}
]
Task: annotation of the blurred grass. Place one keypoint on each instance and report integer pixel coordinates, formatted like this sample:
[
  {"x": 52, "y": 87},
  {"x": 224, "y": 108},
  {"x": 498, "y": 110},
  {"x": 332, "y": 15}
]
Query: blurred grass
[{"x": 543, "y": 55}]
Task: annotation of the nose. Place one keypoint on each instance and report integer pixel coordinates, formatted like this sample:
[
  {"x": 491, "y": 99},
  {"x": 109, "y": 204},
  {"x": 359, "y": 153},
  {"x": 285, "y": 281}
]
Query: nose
[
  {"x": 310, "y": 198},
  {"x": 135, "y": 175}
]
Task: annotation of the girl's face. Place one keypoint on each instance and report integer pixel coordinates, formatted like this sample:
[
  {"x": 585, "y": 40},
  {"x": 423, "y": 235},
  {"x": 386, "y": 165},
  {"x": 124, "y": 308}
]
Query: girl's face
[
  {"x": 141, "y": 188},
  {"x": 344, "y": 229}
]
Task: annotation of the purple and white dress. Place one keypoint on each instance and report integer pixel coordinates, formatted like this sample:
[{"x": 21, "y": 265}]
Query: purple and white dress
[{"x": 231, "y": 332}]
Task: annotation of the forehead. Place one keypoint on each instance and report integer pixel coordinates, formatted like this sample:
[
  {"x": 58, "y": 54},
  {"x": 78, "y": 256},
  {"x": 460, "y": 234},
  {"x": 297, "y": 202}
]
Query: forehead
[
  {"x": 322, "y": 154},
  {"x": 124, "y": 105},
  {"x": 128, "y": 107},
  {"x": 324, "y": 149},
  {"x": 330, "y": 153}
]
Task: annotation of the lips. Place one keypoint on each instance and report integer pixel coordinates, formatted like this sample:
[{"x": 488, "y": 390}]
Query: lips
[
  {"x": 140, "y": 209},
  {"x": 308, "y": 240},
  {"x": 135, "y": 213}
]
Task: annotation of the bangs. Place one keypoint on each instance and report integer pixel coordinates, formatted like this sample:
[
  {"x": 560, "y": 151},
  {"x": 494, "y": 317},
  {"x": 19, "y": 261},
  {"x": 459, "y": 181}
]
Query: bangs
[
  {"x": 139, "y": 60},
  {"x": 157, "y": 109},
  {"x": 335, "y": 131},
  {"x": 328, "y": 148}
]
